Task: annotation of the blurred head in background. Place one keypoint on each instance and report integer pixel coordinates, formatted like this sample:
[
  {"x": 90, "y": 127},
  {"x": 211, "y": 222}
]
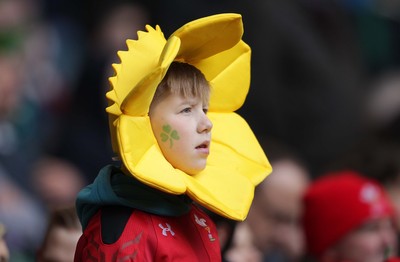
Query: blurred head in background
[
  {"x": 348, "y": 217},
  {"x": 274, "y": 217},
  {"x": 63, "y": 232}
]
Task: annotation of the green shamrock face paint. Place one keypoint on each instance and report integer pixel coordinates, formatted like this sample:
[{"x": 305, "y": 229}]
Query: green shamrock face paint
[{"x": 169, "y": 134}]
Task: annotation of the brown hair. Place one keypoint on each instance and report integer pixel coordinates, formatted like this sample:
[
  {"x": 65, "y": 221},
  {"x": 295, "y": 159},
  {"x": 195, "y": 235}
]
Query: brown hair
[{"x": 185, "y": 80}]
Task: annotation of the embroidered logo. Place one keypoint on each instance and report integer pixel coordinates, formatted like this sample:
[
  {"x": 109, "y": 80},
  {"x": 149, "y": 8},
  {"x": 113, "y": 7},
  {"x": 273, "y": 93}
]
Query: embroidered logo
[
  {"x": 202, "y": 223},
  {"x": 166, "y": 229},
  {"x": 370, "y": 195}
]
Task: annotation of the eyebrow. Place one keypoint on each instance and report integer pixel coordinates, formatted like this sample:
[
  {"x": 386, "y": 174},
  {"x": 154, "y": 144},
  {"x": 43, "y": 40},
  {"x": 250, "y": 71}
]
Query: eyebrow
[{"x": 191, "y": 100}]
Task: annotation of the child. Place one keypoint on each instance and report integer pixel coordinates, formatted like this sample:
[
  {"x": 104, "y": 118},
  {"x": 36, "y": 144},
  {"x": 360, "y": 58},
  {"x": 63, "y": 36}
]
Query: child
[{"x": 166, "y": 98}]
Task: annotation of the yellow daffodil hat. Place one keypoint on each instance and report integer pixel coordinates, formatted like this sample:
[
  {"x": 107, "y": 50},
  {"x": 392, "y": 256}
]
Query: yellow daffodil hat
[{"x": 236, "y": 163}]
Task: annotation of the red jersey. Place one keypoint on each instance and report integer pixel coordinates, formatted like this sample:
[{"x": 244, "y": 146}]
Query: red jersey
[{"x": 148, "y": 237}]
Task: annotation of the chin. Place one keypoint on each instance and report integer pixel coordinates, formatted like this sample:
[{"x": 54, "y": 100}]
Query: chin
[{"x": 193, "y": 171}]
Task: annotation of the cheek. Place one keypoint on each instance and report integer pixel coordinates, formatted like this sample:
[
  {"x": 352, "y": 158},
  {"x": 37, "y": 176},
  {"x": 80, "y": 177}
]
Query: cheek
[
  {"x": 179, "y": 133},
  {"x": 162, "y": 130},
  {"x": 363, "y": 245},
  {"x": 170, "y": 141}
]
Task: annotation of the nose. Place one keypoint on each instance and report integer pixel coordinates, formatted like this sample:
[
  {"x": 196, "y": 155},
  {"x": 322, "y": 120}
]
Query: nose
[{"x": 205, "y": 124}]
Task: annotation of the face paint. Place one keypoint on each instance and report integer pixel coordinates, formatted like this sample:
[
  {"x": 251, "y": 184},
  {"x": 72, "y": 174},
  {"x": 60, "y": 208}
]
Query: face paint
[{"x": 169, "y": 134}]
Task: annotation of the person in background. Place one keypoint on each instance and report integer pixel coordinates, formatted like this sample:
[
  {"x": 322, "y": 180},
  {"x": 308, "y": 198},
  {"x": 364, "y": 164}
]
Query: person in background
[
  {"x": 348, "y": 217},
  {"x": 379, "y": 159},
  {"x": 272, "y": 230},
  {"x": 243, "y": 248},
  {"x": 63, "y": 232}
]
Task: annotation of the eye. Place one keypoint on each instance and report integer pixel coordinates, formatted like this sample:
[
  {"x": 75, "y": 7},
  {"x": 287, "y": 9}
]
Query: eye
[
  {"x": 205, "y": 110},
  {"x": 187, "y": 110}
]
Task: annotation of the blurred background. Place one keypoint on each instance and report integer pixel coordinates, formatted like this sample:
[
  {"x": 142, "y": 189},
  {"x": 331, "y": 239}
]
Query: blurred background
[{"x": 325, "y": 81}]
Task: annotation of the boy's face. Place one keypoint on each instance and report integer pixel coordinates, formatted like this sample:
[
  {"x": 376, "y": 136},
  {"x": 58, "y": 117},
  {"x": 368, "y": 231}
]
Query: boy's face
[{"x": 183, "y": 131}]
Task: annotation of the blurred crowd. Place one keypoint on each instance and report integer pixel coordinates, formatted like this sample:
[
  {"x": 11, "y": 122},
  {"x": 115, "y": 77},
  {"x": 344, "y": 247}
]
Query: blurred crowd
[{"x": 324, "y": 100}]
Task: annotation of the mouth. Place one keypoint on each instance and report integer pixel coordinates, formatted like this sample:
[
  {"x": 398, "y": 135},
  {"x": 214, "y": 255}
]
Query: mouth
[
  {"x": 204, "y": 147},
  {"x": 205, "y": 144}
]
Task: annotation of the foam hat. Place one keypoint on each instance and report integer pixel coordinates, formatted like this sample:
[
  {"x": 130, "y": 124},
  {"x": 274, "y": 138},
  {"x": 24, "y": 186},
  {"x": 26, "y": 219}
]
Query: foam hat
[{"x": 236, "y": 162}]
